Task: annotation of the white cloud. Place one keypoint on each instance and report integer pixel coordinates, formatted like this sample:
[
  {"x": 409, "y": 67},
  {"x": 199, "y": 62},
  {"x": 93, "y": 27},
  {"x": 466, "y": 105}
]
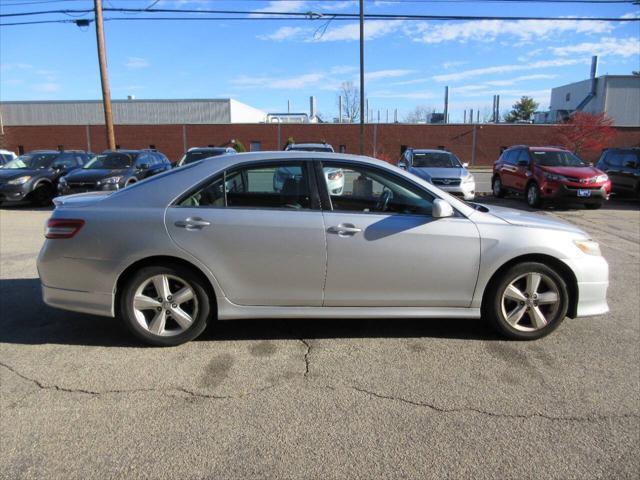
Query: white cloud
[
  {"x": 376, "y": 75},
  {"x": 448, "y": 65},
  {"x": 351, "y": 31},
  {"x": 498, "y": 69},
  {"x": 489, "y": 30},
  {"x": 523, "y": 78},
  {"x": 282, "y": 6},
  {"x": 284, "y": 33},
  {"x": 608, "y": 46},
  {"x": 137, "y": 62},
  {"x": 278, "y": 83}
]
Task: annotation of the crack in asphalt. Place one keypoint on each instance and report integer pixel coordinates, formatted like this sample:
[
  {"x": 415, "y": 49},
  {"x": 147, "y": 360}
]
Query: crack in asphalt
[
  {"x": 166, "y": 391},
  {"x": 438, "y": 409},
  {"x": 369, "y": 393},
  {"x": 306, "y": 357}
]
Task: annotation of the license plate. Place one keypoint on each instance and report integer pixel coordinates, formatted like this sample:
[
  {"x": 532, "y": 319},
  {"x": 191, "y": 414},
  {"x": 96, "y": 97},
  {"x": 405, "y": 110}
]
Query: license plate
[{"x": 584, "y": 193}]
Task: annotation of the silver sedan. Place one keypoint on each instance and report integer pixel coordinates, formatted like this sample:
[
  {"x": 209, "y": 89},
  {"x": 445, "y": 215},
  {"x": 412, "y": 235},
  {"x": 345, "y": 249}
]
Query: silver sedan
[{"x": 216, "y": 241}]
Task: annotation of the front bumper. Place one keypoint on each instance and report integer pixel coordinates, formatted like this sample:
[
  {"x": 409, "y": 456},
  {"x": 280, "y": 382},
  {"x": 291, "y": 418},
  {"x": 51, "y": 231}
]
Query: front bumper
[
  {"x": 14, "y": 193},
  {"x": 464, "y": 190},
  {"x": 573, "y": 193},
  {"x": 592, "y": 274},
  {"x": 73, "y": 188}
]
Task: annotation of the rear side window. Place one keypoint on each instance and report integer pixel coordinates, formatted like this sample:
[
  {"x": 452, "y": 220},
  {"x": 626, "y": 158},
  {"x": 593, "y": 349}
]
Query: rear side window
[{"x": 257, "y": 186}]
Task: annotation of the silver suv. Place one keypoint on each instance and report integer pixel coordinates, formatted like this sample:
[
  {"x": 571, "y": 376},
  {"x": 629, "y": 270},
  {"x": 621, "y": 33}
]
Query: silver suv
[{"x": 441, "y": 168}]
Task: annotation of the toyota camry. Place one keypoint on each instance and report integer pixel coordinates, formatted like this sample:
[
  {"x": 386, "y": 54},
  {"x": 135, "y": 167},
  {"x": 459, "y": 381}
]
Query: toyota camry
[{"x": 215, "y": 241}]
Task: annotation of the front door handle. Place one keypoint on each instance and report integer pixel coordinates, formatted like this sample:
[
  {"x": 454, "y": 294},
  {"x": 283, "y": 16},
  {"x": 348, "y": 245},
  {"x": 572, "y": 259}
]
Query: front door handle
[
  {"x": 192, "y": 223},
  {"x": 344, "y": 229}
]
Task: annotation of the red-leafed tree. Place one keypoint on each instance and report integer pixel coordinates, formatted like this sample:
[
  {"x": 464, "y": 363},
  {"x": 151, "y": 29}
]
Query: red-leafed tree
[{"x": 585, "y": 133}]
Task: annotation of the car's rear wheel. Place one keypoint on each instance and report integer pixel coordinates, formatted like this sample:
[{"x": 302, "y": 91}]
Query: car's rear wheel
[
  {"x": 496, "y": 186},
  {"x": 42, "y": 195},
  {"x": 533, "y": 195},
  {"x": 528, "y": 301},
  {"x": 165, "y": 305},
  {"x": 593, "y": 206}
]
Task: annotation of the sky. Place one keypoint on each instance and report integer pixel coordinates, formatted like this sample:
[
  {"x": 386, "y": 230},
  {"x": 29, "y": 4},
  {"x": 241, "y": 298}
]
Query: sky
[{"x": 266, "y": 63}]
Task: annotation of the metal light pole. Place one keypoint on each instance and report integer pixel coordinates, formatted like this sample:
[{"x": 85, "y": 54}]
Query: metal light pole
[
  {"x": 104, "y": 77},
  {"x": 361, "y": 77}
]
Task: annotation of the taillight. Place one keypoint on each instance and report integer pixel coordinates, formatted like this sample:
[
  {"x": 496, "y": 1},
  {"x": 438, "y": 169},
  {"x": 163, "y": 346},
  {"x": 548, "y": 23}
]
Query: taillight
[{"x": 62, "y": 227}]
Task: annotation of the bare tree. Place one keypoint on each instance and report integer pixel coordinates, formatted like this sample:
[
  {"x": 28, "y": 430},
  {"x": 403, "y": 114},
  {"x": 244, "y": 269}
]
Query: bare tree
[
  {"x": 419, "y": 114},
  {"x": 350, "y": 101}
]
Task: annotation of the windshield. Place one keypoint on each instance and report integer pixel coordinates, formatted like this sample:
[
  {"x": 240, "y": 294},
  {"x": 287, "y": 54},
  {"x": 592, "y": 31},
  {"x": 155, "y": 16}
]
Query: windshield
[
  {"x": 191, "y": 157},
  {"x": 5, "y": 157},
  {"x": 435, "y": 160},
  {"x": 557, "y": 159},
  {"x": 32, "y": 161},
  {"x": 111, "y": 161}
]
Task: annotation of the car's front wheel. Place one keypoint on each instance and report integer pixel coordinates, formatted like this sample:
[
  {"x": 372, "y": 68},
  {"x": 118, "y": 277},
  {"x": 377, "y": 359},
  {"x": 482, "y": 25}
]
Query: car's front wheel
[
  {"x": 527, "y": 301},
  {"x": 533, "y": 195},
  {"x": 165, "y": 305},
  {"x": 42, "y": 195},
  {"x": 498, "y": 190}
]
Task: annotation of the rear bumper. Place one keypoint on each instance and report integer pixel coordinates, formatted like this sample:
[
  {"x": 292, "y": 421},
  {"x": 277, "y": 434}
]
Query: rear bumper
[{"x": 79, "y": 301}]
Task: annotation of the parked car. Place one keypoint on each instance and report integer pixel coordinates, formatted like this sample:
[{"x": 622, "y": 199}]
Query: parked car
[
  {"x": 309, "y": 147},
  {"x": 441, "y": 168},
  {"x": 622, "y": 165},
  {"x": 334, "y": 178},
  {"x": 113, "y": 170},
  {"x": 549, "y": 174},
  {"x": 213, "y": 240},
  {"x": 34, "y": 176},
  {"x": 6, "y": 156},
  {"x": 199, "y": 153}
]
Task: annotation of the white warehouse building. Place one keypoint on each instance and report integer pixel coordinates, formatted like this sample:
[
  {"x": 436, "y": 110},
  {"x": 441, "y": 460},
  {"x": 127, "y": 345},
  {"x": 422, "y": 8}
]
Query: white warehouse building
[
  {"x": 617, "y": 96},
  {"x": 130, "y": 112}
]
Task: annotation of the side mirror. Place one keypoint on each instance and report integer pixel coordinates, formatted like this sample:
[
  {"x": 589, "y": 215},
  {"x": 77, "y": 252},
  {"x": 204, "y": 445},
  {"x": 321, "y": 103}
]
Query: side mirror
[
  {"x": 465, "y": 164},
  {"x": 441, "y": 209},
  {"x": 402, "y": 165},
  {"x": 523, "y": 163},
  {"x": 143, "y": 166}
]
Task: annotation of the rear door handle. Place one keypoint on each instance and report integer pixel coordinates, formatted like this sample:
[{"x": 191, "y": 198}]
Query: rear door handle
[
  {"x": 344, "y": 229},
  {"x": 192, "y": 223}
]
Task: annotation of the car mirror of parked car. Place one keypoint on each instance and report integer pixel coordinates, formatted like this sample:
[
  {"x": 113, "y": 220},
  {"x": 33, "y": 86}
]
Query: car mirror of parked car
[
  {"x": 402, "y": 165},
  {"x": 523, "y": 163},
  {"x": 465, "y": 164},
  {"x": 441, "y": 209},
  {"x": 143, "y": 166}
]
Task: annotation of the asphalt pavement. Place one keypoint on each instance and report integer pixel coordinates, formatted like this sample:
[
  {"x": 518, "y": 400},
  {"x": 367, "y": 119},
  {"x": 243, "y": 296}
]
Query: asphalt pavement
[{"x": 331, "y": 399}]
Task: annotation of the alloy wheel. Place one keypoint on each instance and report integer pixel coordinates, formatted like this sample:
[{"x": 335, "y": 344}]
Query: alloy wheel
[
  {"x": 530, "y": 302},
  {"x": 165, "y": 305},
  {"x": 532, "y": 195}
]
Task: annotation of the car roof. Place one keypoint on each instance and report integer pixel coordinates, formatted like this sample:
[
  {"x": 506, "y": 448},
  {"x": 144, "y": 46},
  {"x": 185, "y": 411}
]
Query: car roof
[
  {"x": 430, "y": 150},
  {"x": 542, "y": 148},
  {"x": 208, "y": 149},
  {"x": 310, "y": 144}
]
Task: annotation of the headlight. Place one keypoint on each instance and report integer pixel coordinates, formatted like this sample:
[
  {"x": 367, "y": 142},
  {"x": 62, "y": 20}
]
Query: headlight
[
  {"x": 588, "y": 246},
  {"x": 555, "y": 178},
  {"x": 62, "y": 180},
  {"x": 110, "y": 180},
  {"x": 601, "y": 178},
  {"x": 468, "y": 179},
  {"x": 19, "y": 180}
]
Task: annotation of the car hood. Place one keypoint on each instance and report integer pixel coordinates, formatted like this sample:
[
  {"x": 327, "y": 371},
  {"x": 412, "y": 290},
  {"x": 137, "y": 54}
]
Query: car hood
[
  {"x": 457, "y": 172},
  {"x": 11, "y": 173},
  {"x": 92, "y": 175},
  {"x": 80, "y": 199},
  {"x": 529, "y": 219},
  {"x": 576, "y": 172}
]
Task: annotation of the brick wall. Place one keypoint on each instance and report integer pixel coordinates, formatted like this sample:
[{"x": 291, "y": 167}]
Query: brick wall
[{"x": 384, "y": 140}]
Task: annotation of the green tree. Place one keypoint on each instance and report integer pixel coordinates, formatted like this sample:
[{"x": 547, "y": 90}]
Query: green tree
[{"x": 522, "y": 110}]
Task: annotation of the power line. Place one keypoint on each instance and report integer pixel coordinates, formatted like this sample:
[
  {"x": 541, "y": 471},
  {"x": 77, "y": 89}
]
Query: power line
[{"x": 315, "y": 15}]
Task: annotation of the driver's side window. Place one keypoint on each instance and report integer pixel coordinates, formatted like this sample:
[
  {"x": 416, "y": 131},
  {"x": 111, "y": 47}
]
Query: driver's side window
[{"x": 371, "y": 190}]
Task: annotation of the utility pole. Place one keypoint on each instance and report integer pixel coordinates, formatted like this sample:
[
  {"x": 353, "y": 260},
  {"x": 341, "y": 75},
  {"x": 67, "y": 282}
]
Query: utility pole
[
  {"x": 104, "y": 76},
  {"x": 362, "y": 77}
]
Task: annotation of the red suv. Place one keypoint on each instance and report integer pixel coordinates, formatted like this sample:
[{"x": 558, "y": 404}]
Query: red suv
[{"x": 549, "y": 174}]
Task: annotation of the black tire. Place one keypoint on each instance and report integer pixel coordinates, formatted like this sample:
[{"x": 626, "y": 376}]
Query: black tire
[
  {"x": 593, "y": 206},
  {"x": 178, "y": 273},
  {"x": 496, "y": 187},
  {"x": 532, "y": 195},
  {"x": 42, "y": 195},
  {"x": 492, "y": 307}
]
